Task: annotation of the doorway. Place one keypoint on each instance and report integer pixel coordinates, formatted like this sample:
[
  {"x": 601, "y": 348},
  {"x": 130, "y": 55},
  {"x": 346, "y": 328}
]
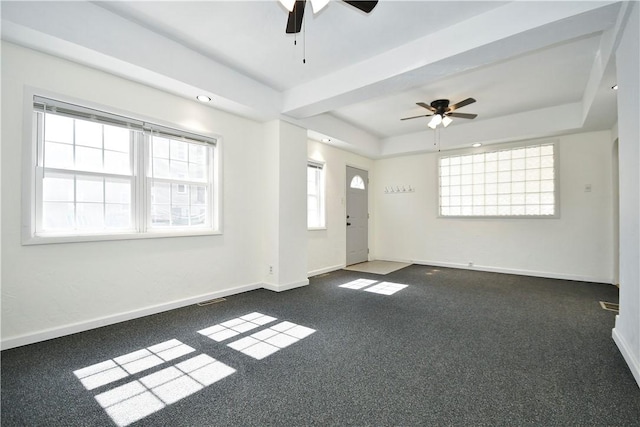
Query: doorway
[{"x": 357, "y": 215}]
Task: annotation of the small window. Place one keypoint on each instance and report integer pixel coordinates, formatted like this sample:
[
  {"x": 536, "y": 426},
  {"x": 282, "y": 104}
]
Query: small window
[
  {"x": 511, "y": 182},
  {"x": 315, "y": 195},
  {"x": 86, "y": 178},
  {"x": 357, "y": 182}
]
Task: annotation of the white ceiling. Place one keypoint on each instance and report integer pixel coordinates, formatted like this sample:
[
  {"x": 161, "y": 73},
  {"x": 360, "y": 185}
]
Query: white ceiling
[{"x": 536, "y": 69}]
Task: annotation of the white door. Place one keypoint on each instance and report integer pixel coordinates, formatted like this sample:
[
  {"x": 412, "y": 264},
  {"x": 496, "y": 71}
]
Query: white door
[{"x": 357, "y": 215}]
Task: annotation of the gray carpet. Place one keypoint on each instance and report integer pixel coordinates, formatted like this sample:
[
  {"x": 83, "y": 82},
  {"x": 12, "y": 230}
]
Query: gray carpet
[{"x": 455, "y": 347}]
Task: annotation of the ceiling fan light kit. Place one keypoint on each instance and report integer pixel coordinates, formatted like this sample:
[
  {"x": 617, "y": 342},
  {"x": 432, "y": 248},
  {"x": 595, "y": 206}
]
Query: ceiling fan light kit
[{"x": 442, "y": 112}]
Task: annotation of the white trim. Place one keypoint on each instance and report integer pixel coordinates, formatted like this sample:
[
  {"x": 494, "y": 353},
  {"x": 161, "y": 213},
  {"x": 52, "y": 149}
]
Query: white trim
[
  {"x": 518, "y": 272},
  {"x": 285, "y": 287},
  {"x": 326, "y": 270},
  {"x": 623, "y": 346},
  {"x": 73, "y": 328}
]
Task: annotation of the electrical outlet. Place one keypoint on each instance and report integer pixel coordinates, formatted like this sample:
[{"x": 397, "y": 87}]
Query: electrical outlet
[
  {"x": 470, "y": 263},
  {"x": 271, "y": 269}
]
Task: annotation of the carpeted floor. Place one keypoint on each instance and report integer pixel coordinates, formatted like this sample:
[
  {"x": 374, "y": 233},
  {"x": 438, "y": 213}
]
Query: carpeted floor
[{"x": 453, "y": 347}]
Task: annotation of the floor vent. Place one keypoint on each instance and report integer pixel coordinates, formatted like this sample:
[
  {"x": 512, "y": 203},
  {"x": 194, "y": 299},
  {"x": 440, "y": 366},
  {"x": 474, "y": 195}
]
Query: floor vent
[
  {"x": 610, "y": 306},
  {"x": 211, "y": 301}
]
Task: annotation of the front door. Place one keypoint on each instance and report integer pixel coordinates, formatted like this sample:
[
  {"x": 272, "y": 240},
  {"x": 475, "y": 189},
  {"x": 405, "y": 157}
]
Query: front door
[{"x": 357, "y": 215}]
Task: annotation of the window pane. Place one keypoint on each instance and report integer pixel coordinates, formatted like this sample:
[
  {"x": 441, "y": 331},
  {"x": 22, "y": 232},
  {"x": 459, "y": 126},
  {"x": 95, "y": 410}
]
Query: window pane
[
  {"x": 160, "y": 215},
  {"x": 161, "y": 193},
  {"x": 57, "y": 188},
  {"x": 198, "y": 195},
  {"x": 58, "y": 155},
  {"x": 89, "y": 189},
  {"x": 179, "y": 150},
  {"x": 179, "y": 215},
  {"x": 117, "y": 191},
  {"x": 117, "y": 162},
  {"x": 58, "y": 129},
  {"x": 160, "y": 147},
  {"x": 118, "y": 216},
  {"x": 88, "y": 159},
  {"x": 179, "y": 170},
  {"x": 198, "y": 215},
  {"x": 197, "y": 154},
  {"x": 58, "y": 216},
  {"x": 90, "y": 216},
  {"x": 88, "y": 134},
  {"x": 197, "y": 172},
  {"x": 117, "y": 139},
  {"x": 179, "y": 194},
  {"x": 160, "y": 168}
]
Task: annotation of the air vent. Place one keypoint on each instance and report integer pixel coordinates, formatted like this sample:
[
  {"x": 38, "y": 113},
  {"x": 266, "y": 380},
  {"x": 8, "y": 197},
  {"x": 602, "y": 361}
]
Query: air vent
[
  {"x": 610, "y": 306},
  {"x": 211, "y": 301}
]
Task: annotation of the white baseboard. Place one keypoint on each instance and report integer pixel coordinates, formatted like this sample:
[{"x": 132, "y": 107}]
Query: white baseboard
[
  {"x": 285, "y": 287},
  {"x": 48, "y": 334},
  {"x": 326, "y": 270},
  {"x": 629, "y": 357},
  {"x": 534, "y": 273}
]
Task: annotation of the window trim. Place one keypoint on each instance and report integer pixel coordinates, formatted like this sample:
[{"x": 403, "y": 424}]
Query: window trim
[
  {"x": 499, "y": 147},
  {"x": 30, "y": 161},
  {"x": 323, "y": 195}
]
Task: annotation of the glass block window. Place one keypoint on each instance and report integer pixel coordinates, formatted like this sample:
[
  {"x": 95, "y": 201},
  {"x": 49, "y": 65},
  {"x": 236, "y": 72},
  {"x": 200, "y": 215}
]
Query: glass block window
[{"x": 510, "y": 182}]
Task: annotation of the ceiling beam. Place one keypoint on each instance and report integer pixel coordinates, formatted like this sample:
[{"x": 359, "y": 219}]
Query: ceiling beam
[{"x": 496, "y": 35}]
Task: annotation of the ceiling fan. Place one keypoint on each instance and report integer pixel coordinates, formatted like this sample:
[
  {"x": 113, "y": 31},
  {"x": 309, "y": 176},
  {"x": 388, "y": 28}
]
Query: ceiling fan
[
  {"x": 442, "y": 111},
  {"x": 296, "y": 10}
]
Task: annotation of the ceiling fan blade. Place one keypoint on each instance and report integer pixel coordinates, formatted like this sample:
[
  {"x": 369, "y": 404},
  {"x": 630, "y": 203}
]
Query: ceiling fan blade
[
  {"x": 365, "y": 6},
  {"x": 427, "y": 106},
  {"x": 461, "y": 104},
  {"x": 462, "y": 115},
  {"x": 294, "y": 22},
  {"x": 415, "y": 117}
]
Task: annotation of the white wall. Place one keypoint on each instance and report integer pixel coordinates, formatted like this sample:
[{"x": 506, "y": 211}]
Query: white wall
[
  {"x": 284, "y": 206},
  {"x": 328, "y": 248},
  {"x": 577, "y": 245},
  {"x": 61, "y": 288},
  {"x": 627, "y": 329}
]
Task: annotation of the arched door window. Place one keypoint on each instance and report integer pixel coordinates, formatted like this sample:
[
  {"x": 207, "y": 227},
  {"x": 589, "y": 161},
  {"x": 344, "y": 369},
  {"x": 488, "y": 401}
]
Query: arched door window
[{"x": 357, "y": 182}]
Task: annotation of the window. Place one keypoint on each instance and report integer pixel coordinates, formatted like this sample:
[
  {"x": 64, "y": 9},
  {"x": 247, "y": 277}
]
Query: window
[
  {"x": 315, "y": 195},
  {"x": 99, "y": 175},
  {"x": 357, "y": 182},
  {"x": 515, "y": 182}
]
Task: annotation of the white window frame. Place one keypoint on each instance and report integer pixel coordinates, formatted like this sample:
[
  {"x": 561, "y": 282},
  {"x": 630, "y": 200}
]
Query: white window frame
[
  {"x": 322, "y": 211},
  {"x": 498, "y": 148},
  {"x": 140, "y": 205}
]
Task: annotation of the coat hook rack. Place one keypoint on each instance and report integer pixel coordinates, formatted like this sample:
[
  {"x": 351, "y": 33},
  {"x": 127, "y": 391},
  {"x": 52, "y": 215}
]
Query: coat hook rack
[{"x": 398, "y": 189}]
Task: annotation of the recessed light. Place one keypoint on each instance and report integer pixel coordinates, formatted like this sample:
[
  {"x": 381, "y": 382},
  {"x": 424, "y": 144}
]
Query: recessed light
[
  {"x": 325, "y": 140},
  {"x": 476, "y": 145},
  {"x": 203, "y": 98},
  {"x": 614, "y": 87}
]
